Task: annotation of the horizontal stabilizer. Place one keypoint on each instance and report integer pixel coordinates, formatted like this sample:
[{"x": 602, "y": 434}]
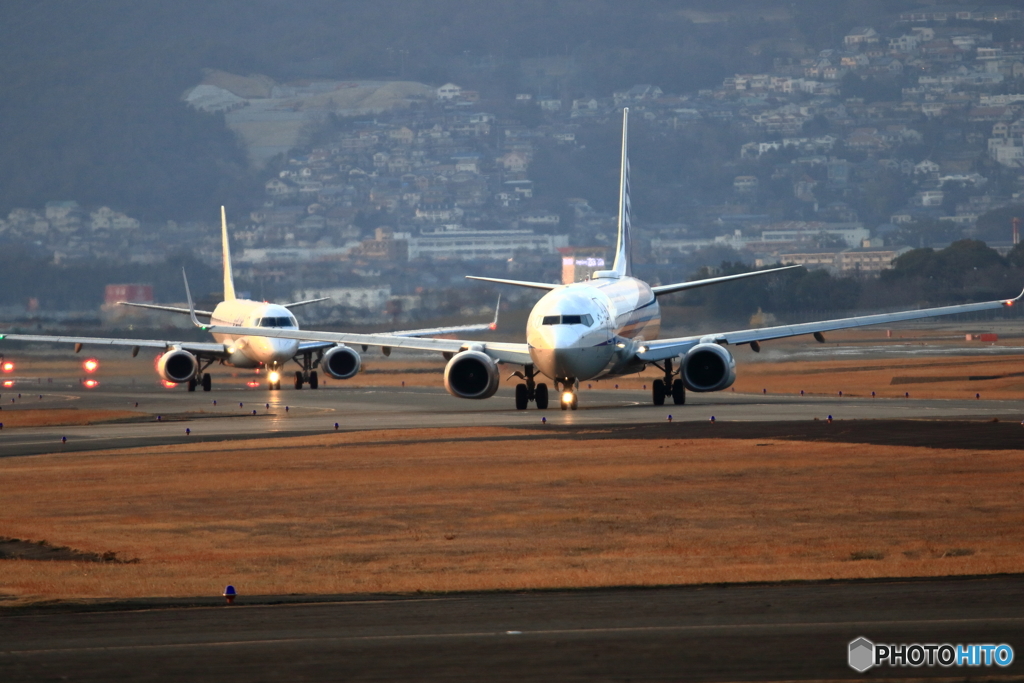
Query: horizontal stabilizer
[
  {"x": 515, "y": 283},
  {"x": 296, "y": 304},
  {"x": 158, "y": 307},
  {"x": 682, "y": 286}
]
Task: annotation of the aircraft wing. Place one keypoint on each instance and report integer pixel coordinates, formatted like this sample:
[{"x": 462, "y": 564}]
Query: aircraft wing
[
  {"x": 499, "y": 351},
  {"x": 207, "y": 349},
  {"x": 458, "y": 329},
  {"x": 670, "y": 348}
]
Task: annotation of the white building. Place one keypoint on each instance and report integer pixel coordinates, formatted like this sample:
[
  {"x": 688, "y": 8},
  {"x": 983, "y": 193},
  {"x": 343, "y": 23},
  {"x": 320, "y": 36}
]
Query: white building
[{"x": 450, "y": 243}]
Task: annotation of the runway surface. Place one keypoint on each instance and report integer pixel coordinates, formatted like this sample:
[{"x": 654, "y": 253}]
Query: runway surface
[
  {"x": 229, "y": 413},
  {"x": 714, "y": 633}
]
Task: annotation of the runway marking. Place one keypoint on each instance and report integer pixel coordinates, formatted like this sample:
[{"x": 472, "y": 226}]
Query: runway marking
[{"x": 719, "y": 628}]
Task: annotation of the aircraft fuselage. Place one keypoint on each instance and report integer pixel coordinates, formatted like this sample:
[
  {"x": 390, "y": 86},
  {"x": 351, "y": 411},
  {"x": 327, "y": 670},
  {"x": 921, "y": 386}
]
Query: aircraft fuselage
[
  {"x": 248, "y": 351},
  {"x": 588, "y": 330}
]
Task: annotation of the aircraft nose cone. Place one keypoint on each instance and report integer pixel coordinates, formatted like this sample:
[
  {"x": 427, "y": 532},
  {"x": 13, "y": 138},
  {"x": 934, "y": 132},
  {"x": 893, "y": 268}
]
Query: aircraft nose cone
[
  {"x": 564, "y": 352},
  {"x": 284, "y": 349}
]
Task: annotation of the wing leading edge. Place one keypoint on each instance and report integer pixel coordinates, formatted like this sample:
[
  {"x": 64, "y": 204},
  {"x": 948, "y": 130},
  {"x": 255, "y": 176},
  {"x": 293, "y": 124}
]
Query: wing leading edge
[{"x": 669, "y": 348}]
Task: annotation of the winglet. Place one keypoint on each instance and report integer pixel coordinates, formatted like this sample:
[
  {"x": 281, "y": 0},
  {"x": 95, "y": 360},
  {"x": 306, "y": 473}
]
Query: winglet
[
  {"x": 497, "y": 307},
  {"x": 191, "y": 306},
  {"x": 1011, "y": 302}
]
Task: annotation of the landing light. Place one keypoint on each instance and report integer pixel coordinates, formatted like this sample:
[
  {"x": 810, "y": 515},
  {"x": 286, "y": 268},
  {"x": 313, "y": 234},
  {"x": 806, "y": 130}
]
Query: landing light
[
  {"x": 91, "y": 383},
  {"x": 567, "y": 397},
  {"x": 8, "y": 366},
  {"x": 273, "y": 377},
  {"x": 91, "y": 365}
]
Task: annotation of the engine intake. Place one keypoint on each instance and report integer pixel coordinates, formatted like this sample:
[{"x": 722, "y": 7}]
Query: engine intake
[
  {"x": 471, "y": 374},
  {"x": 708, "y": 367},
  {"x": 177, "y": 366},
  {"x": 341, "y": 362}
]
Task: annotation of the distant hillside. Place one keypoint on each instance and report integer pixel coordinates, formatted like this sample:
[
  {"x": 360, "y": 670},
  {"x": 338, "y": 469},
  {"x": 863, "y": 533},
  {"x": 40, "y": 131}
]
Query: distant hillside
[{"x": 91, "y": 90}]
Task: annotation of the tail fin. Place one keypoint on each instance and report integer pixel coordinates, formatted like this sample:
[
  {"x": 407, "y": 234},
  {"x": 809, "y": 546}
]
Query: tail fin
[
  {"x": 622, "y": 247},
  {"x": 229, "y": 281}
]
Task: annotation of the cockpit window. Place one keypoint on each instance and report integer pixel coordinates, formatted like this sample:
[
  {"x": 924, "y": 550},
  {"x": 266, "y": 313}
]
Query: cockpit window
[
  {"x": 280, "y": 321},
  {"x": 585, "y": 319}
]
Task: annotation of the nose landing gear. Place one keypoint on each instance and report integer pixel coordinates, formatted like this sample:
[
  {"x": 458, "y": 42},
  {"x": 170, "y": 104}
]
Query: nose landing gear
[
  {"x": 663, "y": 388},
  {"x": 570, "y": 399},
  {"x": 274, "y": 378},
  {"x": 530, "y": 390}
]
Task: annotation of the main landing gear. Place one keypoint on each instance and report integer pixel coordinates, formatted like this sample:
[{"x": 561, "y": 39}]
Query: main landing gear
[
  {"x": 202, "y": 379},
  {"x": 307, "y": 375},
  {"x": 531, "y": 390},
  {"x": 663, "y": 388}
]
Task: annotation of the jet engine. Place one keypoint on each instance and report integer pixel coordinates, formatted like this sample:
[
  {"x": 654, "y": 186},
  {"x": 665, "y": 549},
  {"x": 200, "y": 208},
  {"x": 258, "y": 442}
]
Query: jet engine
[
  {"x": 708, "y": 367},
  {"x": 341, "y": 362},
  {"x": 471, "y": 374},
  {"x": 177, "y": 366}
]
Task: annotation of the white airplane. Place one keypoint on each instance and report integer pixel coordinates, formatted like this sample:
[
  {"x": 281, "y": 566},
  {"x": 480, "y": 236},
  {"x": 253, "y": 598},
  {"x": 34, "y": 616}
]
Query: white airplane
[
  {"x": 602, "y": 328},
  {"x": 186, "y": 362}
]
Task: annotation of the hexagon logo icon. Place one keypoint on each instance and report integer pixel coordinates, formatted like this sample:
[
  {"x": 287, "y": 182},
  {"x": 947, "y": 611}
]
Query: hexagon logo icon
[{"x": 862, "y": 654}]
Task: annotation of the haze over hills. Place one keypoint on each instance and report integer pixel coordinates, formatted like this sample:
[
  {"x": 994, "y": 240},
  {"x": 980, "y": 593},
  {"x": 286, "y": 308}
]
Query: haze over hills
[
  {"x": 377, "y": 151},
  {"x": 92, "y": 89}
]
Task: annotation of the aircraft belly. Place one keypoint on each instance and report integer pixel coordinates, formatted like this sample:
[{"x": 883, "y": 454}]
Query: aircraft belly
[{"x": 238, "y": 359}]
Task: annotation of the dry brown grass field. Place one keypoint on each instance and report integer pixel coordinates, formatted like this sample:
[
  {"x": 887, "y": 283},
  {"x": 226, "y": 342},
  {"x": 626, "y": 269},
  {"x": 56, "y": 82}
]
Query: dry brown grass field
[
  {"x": 489, "y": 508},
  {"x": 61, "y": 417}
]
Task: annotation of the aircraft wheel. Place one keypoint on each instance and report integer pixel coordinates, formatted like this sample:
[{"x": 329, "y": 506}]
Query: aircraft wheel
[
  {"x": 207, "y": 381},
  {"x": 314, "y": 380},
  {"x": 522, "y": 397},
  {"x": 298, "y": 379},
  {"x": 678, "y": 392},
  {"x": 575, "y": 401},
  {"x": 542, "y": 396},
  {"x": 658, "y": 392},
  {"x": 192, "y": 384}
]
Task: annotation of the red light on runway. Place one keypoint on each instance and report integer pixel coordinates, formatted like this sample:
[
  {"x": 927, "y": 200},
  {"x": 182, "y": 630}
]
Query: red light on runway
[
  {"x": 91, "y": 365},
  {"x": 9, "y": 383},
  {"x": 8, "y": 366},
  {"x": 91, "y": 383},
  {"x": 169, "y": 385},
  {"x": 253, "y": 384}
]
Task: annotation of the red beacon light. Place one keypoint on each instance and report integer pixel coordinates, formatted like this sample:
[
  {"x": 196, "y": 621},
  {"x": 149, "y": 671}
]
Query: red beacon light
[
  {"x": 91, "y": 365},
  {"x": 91, "y": 383}
]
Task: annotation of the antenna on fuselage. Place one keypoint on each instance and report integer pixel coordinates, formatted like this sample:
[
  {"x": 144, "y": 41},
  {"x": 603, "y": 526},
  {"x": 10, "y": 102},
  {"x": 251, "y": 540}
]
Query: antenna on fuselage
[
  {"x": 229, "y": 281},
  {"x": 622, "y": 246}
]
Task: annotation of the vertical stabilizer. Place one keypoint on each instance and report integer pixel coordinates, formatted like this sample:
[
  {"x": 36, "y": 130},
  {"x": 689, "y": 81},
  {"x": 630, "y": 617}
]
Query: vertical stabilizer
[
  {"x": 229, "y": 281},
  {"x": 622, "y": 246}
]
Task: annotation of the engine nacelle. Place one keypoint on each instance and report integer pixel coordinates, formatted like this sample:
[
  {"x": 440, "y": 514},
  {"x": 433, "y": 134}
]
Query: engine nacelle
[
  {"x": 708, "y": 367},
  {"x": 471, "y": 374},
  {"x": 341, "y": 362},
  {"x": 177, "y": 366}
]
